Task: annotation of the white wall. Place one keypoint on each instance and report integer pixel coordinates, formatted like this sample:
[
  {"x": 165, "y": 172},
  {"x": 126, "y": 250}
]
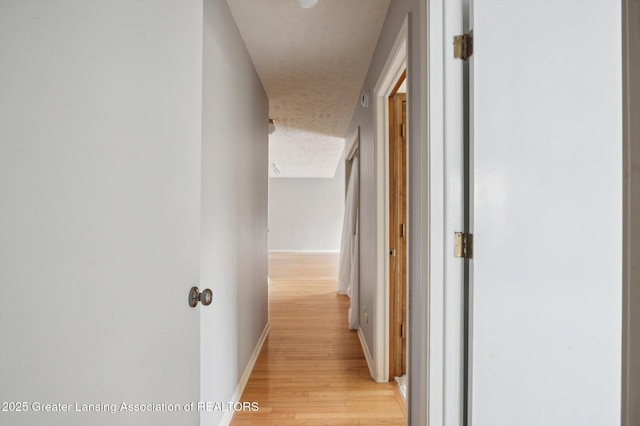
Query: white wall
[
  {"x": 306, "y": 214},
  {"x": 99, "y": 216},
  {"x": 234, "y": 206}
]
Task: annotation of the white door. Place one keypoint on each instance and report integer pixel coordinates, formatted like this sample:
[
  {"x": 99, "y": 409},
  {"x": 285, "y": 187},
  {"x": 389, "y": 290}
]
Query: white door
[
  {"x": 546, "y": 213},
  {"x": 100, "y": 213}
]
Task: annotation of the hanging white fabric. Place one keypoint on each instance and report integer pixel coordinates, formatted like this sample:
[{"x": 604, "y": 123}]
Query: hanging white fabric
[{"x": 348, "y": 266}]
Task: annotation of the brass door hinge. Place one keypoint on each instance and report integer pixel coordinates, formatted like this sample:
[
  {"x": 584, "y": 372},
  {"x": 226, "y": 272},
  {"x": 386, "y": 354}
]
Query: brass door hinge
[
  {"x": 464, "y": 245},
  {"x": 403, "y": 331},
  {"x": 402, "y": 231},
  {"x": 463, "y": 46},
  {"x": 403, "y": 131}
]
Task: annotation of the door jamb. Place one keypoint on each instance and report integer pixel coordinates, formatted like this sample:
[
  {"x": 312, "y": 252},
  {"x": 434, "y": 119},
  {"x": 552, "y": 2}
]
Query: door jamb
[
  {"x": 630, "y": 410},
  {"x": 443, "y": 125},
  {"x": 394, "y": 341}
]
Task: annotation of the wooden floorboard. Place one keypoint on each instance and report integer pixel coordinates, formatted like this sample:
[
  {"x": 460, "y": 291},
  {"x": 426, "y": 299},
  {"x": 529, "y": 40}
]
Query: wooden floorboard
[{"x": 312, "y": 370}]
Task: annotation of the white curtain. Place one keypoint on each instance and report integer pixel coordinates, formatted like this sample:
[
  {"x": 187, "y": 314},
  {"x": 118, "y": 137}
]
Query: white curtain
[{"x": 348, "y": 269}]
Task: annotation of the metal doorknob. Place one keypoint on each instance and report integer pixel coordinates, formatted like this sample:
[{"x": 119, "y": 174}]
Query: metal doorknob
[{"x": 195, "y": 296}]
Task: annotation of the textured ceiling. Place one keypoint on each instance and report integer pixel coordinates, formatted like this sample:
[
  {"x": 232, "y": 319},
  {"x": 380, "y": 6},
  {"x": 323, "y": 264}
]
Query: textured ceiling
[{"x": 312, "y": 63}]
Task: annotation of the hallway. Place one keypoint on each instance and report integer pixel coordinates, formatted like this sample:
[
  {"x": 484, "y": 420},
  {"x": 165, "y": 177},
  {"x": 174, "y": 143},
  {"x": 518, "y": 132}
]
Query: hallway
[{"x": 311, "y": 369}]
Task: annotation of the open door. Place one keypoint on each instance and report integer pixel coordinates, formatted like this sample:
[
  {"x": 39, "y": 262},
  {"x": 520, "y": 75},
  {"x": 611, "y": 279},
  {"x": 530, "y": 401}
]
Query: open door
[
  {"x": 545, "y": 321},
  {"x": 398, "y": 231},
  {"x": 100, "y": 212}
]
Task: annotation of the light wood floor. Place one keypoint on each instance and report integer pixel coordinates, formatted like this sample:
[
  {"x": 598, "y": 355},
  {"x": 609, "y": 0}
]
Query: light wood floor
[{"x": 312, "y": 370}]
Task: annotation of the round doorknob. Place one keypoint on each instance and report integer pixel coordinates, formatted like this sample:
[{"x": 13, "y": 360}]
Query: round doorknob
[
  {"x": 206, "y": 297},
  {"x": 195, "y": 296}
]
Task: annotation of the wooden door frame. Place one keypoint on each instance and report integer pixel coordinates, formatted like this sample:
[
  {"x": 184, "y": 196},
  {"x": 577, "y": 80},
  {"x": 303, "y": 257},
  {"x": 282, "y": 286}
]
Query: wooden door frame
[{"x": 398, "y": 320}]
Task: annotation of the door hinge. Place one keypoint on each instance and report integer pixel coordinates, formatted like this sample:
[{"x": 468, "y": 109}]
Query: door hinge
[
  {"x": 403, "y": 131},
  {"x": 403, "y": 331},
  {"x": 402, "y": 231},
  {"x": 463, "y": 46},
  {"x": 463, "y": 245}
]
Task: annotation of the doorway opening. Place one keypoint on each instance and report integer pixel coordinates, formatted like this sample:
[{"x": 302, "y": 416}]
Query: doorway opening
[
  {"x": 397, "y": 176},
  {"x": 390, "y": 82}
]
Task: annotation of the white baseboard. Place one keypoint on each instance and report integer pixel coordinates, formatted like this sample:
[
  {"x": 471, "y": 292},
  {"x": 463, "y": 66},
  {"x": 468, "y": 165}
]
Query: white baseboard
[
  {"x": 228, "y": 415},
  {"x": 306, "y": 251},
  {"x": 367, "y": 353}
]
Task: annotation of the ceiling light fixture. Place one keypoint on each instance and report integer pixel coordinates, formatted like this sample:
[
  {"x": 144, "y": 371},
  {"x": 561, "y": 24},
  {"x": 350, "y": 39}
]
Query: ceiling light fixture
[
  {"x": 272, "y": 126},
  {"x": 307, "y": 4}
]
